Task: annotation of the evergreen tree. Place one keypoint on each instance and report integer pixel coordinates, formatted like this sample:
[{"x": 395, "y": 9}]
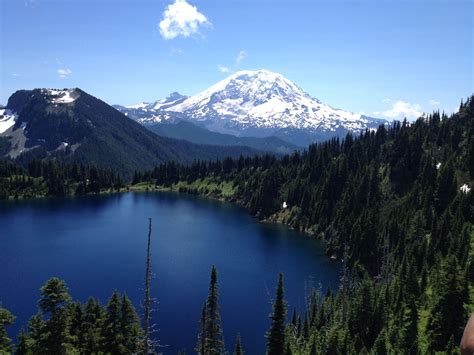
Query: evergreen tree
[
  {"x": 447, "y": 316},
  {"x": 210, "y": 339},
  {"x": 129, "y": 326},
  {"x": 276, "y": 334},
  {"x": 238, "y": 346},
  {"x": 113, "y": 338},
  {"x": 92, "y": 327},
  {"x": 76, "y": 320},
  {"x": 409, "y": 329},
  {"x": 201, "y": 344},
  {"x": 23, "y": 346},
  {"x": 36, "y": 331},
  {"x": 54, "y": 299},
  {"x": 6, "y": 319},
  {"x": 214, "y": 342}
]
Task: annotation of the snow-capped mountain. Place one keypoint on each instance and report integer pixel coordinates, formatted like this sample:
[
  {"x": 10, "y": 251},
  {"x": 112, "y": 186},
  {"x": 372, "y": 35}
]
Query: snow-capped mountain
[
  {"x": 258, "y": 103},
  {"x": 152, "y": 113},
  {"x": 8, "y": 116}
]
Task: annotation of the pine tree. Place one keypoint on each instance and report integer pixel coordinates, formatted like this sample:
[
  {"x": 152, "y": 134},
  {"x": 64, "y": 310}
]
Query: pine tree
[
  {"x": 92, "y": 327},
  {"x": 54, "y": 295},
  {"x": 36, "y": 329},
  {"x": 409, "y": 329},
  {"x": 201, "y": 344},
  {"x": 53, "y": 302},
  {"x": 129, "y": 326},
  {"x": 447, "y": 314},
  {"x": 23, "y": 346},
  {"x": 113, "y": 337},
  {"x": 276, "y": 334},
  {"x": 75, "y": 314},
  {"x": 214, "y": 342},
  {"x": 238, "y": 346},
  {"x": 6, "y": 319}
]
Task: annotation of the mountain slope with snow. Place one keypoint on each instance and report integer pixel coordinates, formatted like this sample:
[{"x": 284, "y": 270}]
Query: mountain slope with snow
[{"x": 259, "y": 103}]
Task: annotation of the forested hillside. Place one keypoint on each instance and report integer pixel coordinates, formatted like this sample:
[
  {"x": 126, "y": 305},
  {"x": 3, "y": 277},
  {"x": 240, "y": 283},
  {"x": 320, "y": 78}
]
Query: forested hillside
[
  {"x": 53, "y": 178},
  {"x": 394, "y": 205}
]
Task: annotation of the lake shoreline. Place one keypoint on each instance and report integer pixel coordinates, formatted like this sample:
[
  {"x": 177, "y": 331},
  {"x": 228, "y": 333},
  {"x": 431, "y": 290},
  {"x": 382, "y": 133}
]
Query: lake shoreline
[{"x": 280, "y": 217}]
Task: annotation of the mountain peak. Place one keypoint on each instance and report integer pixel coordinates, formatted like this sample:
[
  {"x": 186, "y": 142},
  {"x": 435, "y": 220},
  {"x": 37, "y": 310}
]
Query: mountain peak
[
  {"x": 254, "y": 73},
  {"x": 258, "y": 102},
  {"x": 172, "y": 99},
  {"x": 174, "y": 96}
]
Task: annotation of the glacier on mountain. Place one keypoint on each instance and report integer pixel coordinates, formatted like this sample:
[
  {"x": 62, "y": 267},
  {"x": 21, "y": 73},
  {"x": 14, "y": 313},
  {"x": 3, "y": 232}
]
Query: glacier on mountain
[{"x": 254, "y": 101}]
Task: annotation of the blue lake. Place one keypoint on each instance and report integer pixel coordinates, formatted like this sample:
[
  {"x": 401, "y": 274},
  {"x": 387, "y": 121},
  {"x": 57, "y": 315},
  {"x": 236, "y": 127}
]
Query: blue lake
[{"x": 98, "y": 244}]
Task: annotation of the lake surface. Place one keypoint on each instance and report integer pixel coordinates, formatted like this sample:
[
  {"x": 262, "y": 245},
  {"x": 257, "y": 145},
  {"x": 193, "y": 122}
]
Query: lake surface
[{"x": 98, "y": 244}]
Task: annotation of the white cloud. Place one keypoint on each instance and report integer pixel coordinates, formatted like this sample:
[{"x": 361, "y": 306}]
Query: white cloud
[
  {"x": 182, "y": 19},
  {"x": 223, "y": 69},
  {"x": 64, "y": 72},
  {"x": 240, "y": 57},
  {"x": 402, "y": 109},
  {"x": 16, "y": 74},
  {"x": 434, "y": 102},
  {"x": 386, "y": 100}
]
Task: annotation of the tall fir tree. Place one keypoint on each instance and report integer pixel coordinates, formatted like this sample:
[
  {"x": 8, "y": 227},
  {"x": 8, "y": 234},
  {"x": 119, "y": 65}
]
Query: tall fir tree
[
  {"x": 210, "y": 339},
  {"x": 53, "y": 303},
  {"x": 276, "y": 334},
  {"x": 214, "y": 340},
  {"x": 129, "y": 326},
  {"x": 113, "y": 338}
]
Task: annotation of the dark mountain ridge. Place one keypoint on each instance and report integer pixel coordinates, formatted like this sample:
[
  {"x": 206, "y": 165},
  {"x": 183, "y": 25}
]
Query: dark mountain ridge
[
  {"x": 70, "y": 125},
  {"x": 200, "y": 135}
]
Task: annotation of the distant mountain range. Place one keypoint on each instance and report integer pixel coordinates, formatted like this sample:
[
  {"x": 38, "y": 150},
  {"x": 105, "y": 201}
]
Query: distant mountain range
[
  {"x": 256, "y": 104},
  {"x": 70, "y": 124},
  {"x": 248, "y": 113},
  {"x": 197, "y": 134}
]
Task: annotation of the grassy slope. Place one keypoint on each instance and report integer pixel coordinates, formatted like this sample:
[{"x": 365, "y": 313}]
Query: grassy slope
[{"x": 209, "y": 187}]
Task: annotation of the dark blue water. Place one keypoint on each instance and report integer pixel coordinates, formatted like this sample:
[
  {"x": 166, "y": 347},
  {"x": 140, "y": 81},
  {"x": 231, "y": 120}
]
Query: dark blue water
[{"x": 98, "y": 244}]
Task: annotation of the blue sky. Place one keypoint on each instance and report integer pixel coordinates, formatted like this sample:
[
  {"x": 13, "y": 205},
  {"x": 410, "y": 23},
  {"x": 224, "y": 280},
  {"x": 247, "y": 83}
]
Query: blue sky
[{"x": 384, "y": 58}]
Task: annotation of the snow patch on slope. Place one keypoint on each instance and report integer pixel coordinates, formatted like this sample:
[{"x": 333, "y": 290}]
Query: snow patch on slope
[
  {"x": 263, "y": 99},
  {"x": 138, "y": 106},
  {"x": 65, "y": 96},
  {"x": 7, "y": 119}
]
